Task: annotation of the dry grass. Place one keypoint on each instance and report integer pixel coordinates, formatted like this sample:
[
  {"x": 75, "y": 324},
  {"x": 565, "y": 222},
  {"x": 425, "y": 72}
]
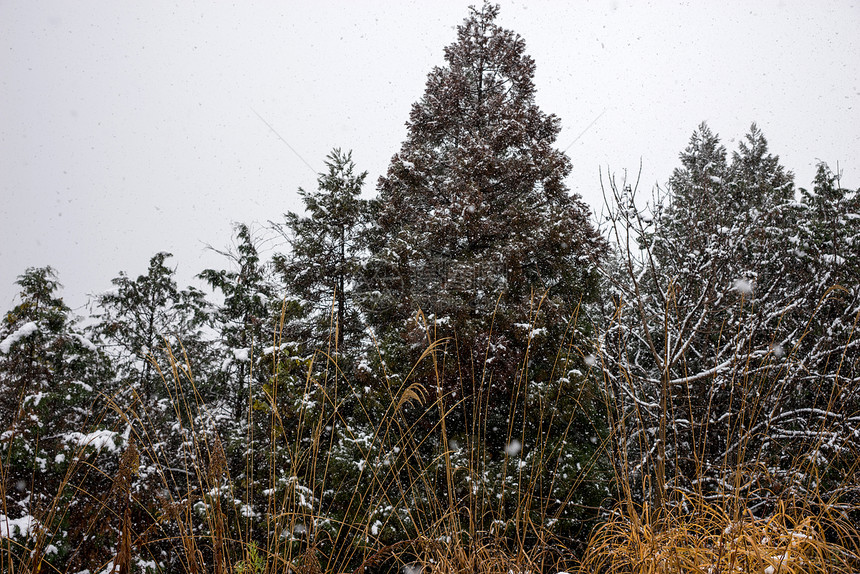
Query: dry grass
[
  {"x": 701, "y": 537},
  {"x": 447, "y": 531}
]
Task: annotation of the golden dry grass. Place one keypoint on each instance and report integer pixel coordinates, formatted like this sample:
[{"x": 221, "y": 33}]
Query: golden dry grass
[
  {"x": 688, "y": 534},
  {"x": 704, "y": 538}
]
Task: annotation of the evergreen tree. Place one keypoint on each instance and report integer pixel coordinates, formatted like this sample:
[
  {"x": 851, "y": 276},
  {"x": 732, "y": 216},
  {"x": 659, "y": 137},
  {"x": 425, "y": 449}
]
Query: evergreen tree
[
  {"x": 325, "y": 256},
  {"x": 140, "y": 317},
  {"x": 714, "y": 330},
  {"x": 155, "y": 333},
  {"x": 476, "y": 230},
  {"x": 831, "y": 230},
  {"x": 699, "y": 203},
  {"x": 826, "y": 269},
  {"x": 758, "y": 180},
  {"x": 718, "y": 233},
  {"x": 244, "y": 321},
  {"x": 252, "y": 350},
  {"x": 475, "y": 203},
  {"x": 475, "y": 223},
  {"x": 475, "y": 206},
  {"x": 763, "y": 197},
  {"x": 51, "y": 377}
]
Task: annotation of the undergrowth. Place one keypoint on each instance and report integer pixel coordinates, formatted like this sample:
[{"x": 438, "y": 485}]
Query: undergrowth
[{"x": 420, "y": 497}]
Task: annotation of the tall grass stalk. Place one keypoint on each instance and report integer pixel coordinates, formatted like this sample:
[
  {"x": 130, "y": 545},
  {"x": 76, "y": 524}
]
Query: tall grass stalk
[{"x": 420, "y": 502}]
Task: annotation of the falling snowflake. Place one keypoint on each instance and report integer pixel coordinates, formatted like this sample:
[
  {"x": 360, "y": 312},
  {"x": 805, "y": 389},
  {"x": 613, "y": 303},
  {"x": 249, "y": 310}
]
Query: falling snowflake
[
  {"x": 513, "y": 448},
  {"x": 742, "y": 286}
]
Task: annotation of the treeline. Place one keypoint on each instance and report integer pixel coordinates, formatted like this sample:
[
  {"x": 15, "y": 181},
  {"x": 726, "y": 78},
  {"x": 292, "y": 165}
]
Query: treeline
[
  {"x": 470, "y": 346},
  {"x": 729, "y": 334}
]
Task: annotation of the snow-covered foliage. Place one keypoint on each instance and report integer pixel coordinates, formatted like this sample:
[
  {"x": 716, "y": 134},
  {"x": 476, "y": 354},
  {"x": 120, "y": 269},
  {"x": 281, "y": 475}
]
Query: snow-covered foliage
[
  {"x": 474, "y": 206},
  {"x": 476, "y": 234},
  {"x": 244, "y": 322},
  {"x": 24, "y": 330},
  {"x": 51, "y": 377},
  {"x": 724, "y": 339},
  {"x": 460, "y": 359},
  {"x": 22, "y": 526},
  {"x": 325, "y": 259}
]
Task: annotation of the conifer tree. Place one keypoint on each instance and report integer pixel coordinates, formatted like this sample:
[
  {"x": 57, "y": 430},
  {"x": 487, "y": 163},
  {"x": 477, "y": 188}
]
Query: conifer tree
[
  {"x": 474, "y": 205},
  {"x": 140, "y": 317},
  {"x": 51, "y": 378},
  {"x": 144, "y": 324},
  {"x": 325, "y": 253},
  {"x": 758, "y": 180},
  {"x": 831, "y": 230},
  {"x": 762, "y": 192},
  {"x": 477, "y": 231},
  {"x": 252, "y": 352},
  {"x": 718, "y": 333},
  {"x": 826, "y": 268},
  {"x": 245, "y": 319},
  {"x": 698, "y": 203},
  {"x": 722, "y": 222}
]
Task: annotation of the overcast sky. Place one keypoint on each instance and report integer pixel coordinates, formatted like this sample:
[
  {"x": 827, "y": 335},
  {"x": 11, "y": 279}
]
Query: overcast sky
[{"x": 128, "y": 128}]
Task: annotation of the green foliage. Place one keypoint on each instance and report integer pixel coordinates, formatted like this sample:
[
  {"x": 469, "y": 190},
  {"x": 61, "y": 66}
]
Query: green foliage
[
  {"x": 723, "y": 338},
  {"x": 245, "y": 321},
  {"x": 474, "y": 206},
  {"x": 139, "y": 317},
  {"x": 456, "y": 375},
  {"x": 155, "y": 334},
  {"x": 253, "y": 564},
  {"x": 478, "y": 241},
  {"x": 326, "y": 249},
  {"x": 51, "y": 378}
]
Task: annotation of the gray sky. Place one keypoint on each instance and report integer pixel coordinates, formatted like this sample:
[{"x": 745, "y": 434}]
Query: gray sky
[{"x": 128, "y": 128}]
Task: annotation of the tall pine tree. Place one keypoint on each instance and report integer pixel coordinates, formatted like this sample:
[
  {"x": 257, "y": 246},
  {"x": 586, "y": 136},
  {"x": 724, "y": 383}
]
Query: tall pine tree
[
  {"x": 475, "y": 205},
  {"x": 479, "y": 242}
]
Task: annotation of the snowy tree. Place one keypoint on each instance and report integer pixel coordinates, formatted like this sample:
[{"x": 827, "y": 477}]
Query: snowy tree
[
  {"x": 51, "y": 380},
  {"x": 699, "y": 201},
  {"x": 139, "y": 318},
  {"x": 826, "y": 270},
  {"x": 702, "y": 343},
  {"x": 154, "y": 333},
  {"x": 479, "y": 243},
  {"x": 325, "y": 253},
  {"x": 245, "y": 320},
  {"x": 830, "y": 230},
  {"x": 474, "y": 221},
  {"x": 251, "y": 348},
  {"x": 475, "y": 203}
]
